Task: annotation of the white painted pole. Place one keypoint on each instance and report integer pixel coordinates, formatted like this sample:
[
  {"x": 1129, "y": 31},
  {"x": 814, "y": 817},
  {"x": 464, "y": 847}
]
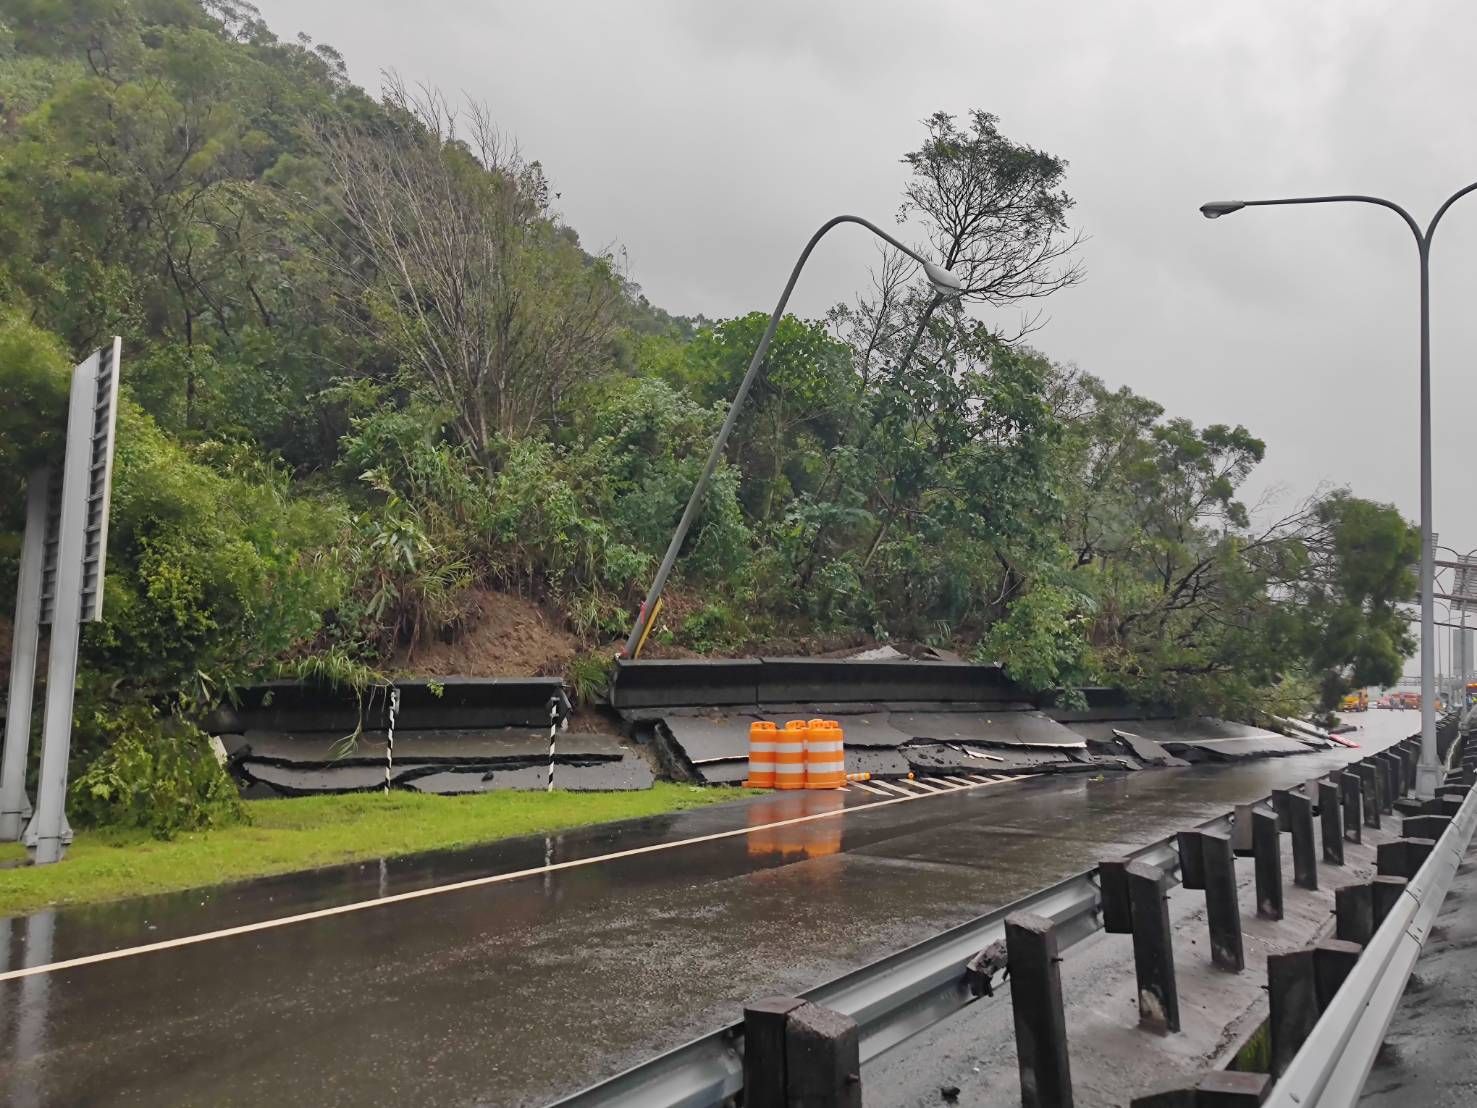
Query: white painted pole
[{"x": 15, "y": 808}]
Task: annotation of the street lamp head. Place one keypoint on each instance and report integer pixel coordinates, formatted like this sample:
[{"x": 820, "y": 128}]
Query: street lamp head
[
  {"x": 1217, "y": 208},
  {"x": 944, "y": 282}
]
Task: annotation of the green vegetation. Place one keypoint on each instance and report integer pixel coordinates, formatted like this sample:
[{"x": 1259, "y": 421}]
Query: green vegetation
[
  {"x": 370, "y": 374},
  {"x": 281, "y": 836}
]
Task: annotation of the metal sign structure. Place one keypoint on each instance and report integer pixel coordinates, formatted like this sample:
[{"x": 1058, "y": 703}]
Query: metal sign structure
[
  {"x": 63, "y": 561},
  {"x": 15, "y": 808},
  {"x": 1464, "y": 585}
]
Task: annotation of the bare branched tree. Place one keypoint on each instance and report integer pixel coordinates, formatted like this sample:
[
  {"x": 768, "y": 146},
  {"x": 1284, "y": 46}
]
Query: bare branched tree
[
  {"x": 446, "y": 238},
  {"x": 994, "y": 210}
]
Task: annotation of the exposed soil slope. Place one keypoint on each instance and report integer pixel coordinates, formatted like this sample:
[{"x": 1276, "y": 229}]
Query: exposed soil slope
[{"x": 505, "y": 636}]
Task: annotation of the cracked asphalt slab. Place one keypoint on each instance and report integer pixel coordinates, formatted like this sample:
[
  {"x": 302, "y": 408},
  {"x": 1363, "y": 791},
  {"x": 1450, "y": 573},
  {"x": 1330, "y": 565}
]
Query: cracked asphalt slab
[{"x": 522, "y": 991}]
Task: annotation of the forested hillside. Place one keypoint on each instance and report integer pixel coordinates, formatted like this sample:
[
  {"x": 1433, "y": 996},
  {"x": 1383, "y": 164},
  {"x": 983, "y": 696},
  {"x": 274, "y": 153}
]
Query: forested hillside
[{"x": 371, "y": 378}]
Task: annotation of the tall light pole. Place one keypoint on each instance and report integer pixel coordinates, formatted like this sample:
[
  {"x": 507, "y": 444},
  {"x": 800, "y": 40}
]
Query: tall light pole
[
  {"x": 945, "y": 285},
  {"x": 1428, "y": 773}
]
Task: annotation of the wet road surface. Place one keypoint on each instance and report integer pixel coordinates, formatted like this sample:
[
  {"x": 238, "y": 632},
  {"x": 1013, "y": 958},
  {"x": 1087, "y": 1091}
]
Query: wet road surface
[{"x": 517, "y": 992}]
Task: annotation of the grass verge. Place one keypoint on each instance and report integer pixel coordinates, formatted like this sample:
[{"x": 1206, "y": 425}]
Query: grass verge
[{"x": 307, "y": 832}]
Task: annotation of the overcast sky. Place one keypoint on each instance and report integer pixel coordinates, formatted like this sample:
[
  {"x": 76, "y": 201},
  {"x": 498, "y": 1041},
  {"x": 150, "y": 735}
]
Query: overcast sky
[{"x": 710, "y": 138}]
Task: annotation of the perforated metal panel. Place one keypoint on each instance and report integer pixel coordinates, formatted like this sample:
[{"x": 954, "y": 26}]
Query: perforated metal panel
[{"x": 90, "y": 445}]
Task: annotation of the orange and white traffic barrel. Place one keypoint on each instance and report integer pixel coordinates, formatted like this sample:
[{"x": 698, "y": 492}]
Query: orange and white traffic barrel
[
  {"x": 762, "y": 747},
  {"x": 789, "y": 755},
  {"x": 825, "y": 755}
]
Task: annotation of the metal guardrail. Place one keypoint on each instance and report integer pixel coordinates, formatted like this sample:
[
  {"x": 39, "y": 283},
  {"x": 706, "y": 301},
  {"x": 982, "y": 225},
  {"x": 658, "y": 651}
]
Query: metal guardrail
[
  {"x": 1330, "y": 1069},
  {"x": 890, "y": 1000}
]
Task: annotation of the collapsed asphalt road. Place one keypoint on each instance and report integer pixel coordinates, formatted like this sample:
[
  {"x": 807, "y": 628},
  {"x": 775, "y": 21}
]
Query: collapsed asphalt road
[{"x": 518, "y": 991}]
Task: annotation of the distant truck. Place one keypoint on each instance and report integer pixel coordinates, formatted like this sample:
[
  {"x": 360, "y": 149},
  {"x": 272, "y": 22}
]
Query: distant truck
[{"x": 1355, "y": 702}]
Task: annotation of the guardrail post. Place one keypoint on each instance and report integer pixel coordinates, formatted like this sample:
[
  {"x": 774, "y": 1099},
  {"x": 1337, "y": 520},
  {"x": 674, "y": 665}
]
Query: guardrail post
[
  {"x": 1280, "y": 806},
  {"x": 1369, "y": 785},
  {"x": 1353, "y": 806},
  {"x": 1333, "y": 959},
  {"x": 1424, "y": 827},
  {"x": 764, "y": 1050},
  {"x": 1442, "y": 806},
  {"x": 1218, "y": 1089},
  {"x": 1377, "y": 776},
  {"x": 1353, "y": 909},
  {"x": 1222, "y": 909},
  {"x": 1293, "y": 998},
  {"x": 1040, "y": 1022},
  {"x": 1232, "y": 1089},
  {"x": 823, "y": 1065},
  {"x": 1192, "y": 864},
  {"x": 1386, "y": 891},
  {"x": 1112, "y": 877},
  {"x": 1268, "y": 847},
  {"x": 1180, "y": 1094},
  {"x": 1382, "y": 762},
  {"x": 1417, "y": 851},
  {"x": 1402, "y": 857},
  {"x": 1153, "y": 951},
  {"x": 1304, "y": 851},
  {"x": 1241, "y": 831},
  {"x": 1331, "y": 815},
  {"x": 1396, "y": 765}
]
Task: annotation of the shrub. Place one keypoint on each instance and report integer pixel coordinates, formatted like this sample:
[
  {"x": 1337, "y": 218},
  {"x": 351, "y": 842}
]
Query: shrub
[
  {"x": 589, "y": 675},
  {"x": 158, "y": 775},
  {"x": 215, "y": 568}
]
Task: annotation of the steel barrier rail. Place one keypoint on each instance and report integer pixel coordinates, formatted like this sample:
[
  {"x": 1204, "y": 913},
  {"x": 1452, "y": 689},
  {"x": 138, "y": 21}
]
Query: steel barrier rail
[
  {"x": 1330, "y": 1068},
  {"x": 890, "y": 999}
]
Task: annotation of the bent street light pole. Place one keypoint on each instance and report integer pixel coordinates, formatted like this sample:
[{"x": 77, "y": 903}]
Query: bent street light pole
[
  {"x": 942, "y": 280},
  {"x": 1428, "y": 774}
]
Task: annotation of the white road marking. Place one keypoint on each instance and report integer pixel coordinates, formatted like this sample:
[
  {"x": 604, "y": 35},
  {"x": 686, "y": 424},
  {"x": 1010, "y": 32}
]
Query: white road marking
[
  {"x": 904, "y": 787},
  {"x": 451, "y": 887},
  {"x": 893, "y": 790},
  {"x": 873, "y": 789}
]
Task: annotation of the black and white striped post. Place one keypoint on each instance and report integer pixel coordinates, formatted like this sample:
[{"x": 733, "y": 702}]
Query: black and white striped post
[
  {"x": 557, "y": 723},
  {"x": 390, "y": 736}
]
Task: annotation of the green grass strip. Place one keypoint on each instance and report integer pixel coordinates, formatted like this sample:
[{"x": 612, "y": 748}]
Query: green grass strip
[{"x": 308, "y": 832}]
